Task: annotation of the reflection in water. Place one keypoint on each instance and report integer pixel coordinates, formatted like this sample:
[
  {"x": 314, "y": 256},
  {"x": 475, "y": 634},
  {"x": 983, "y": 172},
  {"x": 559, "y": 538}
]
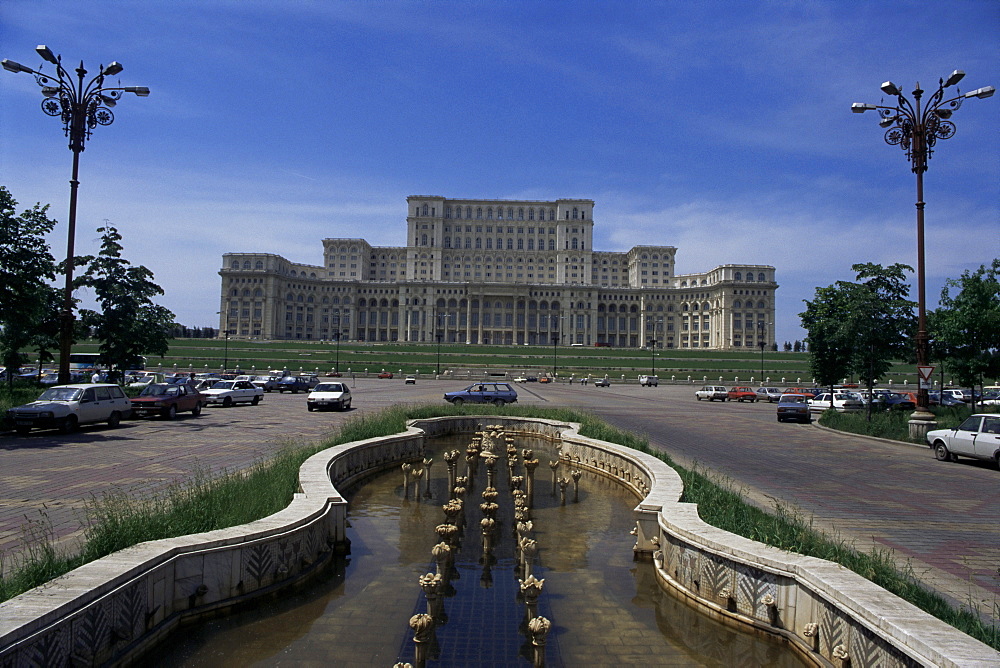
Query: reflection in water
[{"x": 605, "y": 608}]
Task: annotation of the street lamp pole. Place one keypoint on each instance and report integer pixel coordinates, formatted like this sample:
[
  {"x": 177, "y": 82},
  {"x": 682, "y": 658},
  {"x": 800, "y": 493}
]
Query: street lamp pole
[
  {"x": 555, "y": 342},
  {"x": 336, "y": 363},
  {"x": 81, "y": 107},
  {"x": 652, "y": 356},
  {"x": 438, "y": 335},
  {"x": 916, "y": 130},
  {"x": 762, "y": 340}
]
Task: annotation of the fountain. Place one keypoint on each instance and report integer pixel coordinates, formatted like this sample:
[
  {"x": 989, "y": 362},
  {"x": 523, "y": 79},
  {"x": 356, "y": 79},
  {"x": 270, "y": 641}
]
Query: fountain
[{"x": 483, "y": 601}]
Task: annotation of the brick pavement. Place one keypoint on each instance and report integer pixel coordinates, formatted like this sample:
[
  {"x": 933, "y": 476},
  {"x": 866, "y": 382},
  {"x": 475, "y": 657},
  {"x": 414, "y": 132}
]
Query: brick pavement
[{"x": 939, "y": 518}]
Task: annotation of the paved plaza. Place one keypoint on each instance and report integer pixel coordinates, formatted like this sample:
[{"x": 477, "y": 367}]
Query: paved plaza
[{"x": 940, "y": 518}]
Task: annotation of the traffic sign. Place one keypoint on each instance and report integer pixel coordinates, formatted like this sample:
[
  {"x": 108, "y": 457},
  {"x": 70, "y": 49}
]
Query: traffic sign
[{"x": 925, "y": 372}]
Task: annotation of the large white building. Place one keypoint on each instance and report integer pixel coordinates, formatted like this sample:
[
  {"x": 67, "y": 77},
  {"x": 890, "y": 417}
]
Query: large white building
[{"x": 497, "y": 272}]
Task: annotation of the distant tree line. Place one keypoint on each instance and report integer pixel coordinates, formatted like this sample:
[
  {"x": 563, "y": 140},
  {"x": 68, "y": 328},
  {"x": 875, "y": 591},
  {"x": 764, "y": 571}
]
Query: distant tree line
[{"x": 180, "y": 331}]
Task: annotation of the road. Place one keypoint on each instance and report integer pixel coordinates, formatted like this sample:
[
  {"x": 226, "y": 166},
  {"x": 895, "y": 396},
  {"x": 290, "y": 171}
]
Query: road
[{"x": 940, "y": 518}]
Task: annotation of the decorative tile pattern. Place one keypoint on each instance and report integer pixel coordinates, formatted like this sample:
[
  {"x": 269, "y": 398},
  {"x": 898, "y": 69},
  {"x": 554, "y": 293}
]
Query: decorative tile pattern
[{"x": 753, "y": 584}]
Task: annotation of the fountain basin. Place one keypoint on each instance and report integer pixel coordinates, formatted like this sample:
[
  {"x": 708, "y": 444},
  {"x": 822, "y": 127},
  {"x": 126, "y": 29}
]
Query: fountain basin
[{"x": 116, "y": 608}]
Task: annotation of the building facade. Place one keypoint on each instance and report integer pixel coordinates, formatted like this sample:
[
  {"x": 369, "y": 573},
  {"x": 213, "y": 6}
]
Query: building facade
[{"x": 497, "y": 272}]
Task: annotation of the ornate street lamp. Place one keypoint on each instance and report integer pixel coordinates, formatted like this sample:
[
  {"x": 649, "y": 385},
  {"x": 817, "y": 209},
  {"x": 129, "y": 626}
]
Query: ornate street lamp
[
  {"x": 81, "y": 107},
  {"x": 762, "y": 340},
  {"x": 916, "y": 130}
]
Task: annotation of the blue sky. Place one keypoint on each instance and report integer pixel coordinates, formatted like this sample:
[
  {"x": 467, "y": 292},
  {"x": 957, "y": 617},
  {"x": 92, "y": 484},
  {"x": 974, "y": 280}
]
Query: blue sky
[{"x": 721, "y": 128}]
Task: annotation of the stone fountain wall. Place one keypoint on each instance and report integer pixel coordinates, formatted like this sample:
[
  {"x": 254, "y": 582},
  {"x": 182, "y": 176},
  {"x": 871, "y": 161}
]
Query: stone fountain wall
[
  {"x": 114, "y": 609},
  {"x": 830, "y": 614}
]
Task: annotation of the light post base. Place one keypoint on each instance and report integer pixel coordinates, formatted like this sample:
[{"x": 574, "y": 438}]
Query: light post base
[{"x": 920, "y": 423}]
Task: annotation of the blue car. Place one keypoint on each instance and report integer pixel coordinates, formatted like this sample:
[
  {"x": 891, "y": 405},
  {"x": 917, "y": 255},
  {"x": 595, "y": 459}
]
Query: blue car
[
  {"x": 483, "y": 393},
  {"x": 293, "y": 384}
]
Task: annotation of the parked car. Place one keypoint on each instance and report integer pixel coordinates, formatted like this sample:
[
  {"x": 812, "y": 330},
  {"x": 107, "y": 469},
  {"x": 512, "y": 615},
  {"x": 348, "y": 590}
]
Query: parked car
[
  {"x": 809, "y": 392},
  {"x": 712, "y": 392},
  {"x": 312, "y": 380},
  {"x": 229, "y": 392},
  {"x": 483, "y": 393},
  {"x": 768, "y": 394},
  {"x": 977, "y": 437},
  {"x": 892, "y": 401},
  {"x": 543, "y": 379},
  {"x": 649, "y": 381},
  {"x": 385, "y": 374},
  {"x": 67, "y": 406},
  {"x": 167, "y": 400},
  {"x": 742, "y": 394},
  {"x": 266, "y": 383},
  {"x": 602, "y": 382},
  {"x": 945, "y": 399},
  {"x": 144, "y": 378},
  {"x": 329, "y": 395},
  {"x": 293, "y": 384},
  {"x": 410, "y": 380},
  {"x": 991, "y": 398},
  {"x": 842, "y": 402},
  {"x": 521, "y": 379},
  {"x": 794, "y": 407}
]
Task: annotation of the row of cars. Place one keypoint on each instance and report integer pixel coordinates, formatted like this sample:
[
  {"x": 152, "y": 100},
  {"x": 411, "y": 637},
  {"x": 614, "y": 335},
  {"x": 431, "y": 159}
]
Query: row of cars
[{"x": 65, "y": 407}]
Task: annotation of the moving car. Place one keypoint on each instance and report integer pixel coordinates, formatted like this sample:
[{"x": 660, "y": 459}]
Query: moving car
[
  {"x": 712, "y": 392},
  {"x": 385, "y": 374},
  {"x": 229, "y": 392},
  {"x": 521, "y": 379},
  {"x": 543, "y": 379},
  {"x": 293, "y": 384},
  {"x": 977, "y": 437},
  {"x": 742, "y": 394},
  {"x": 768, "y": 394},
  {"x": 410, "y": 380},
  {"x": 167, "y": 400},
  {"x": 602, "y": 382},
  {"x": 794, "y": 407},
  {"x": 649, "y": 381},
  {"x": 67, "y": 406},
  {"x": 843, "y": 402},
  {"x": 483, "y": 393},
  {"x": 329, "y": 395}
]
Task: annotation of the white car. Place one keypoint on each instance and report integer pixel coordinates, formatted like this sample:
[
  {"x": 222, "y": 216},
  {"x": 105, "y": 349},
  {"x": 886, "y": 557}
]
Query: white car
[
  {"x": 712, "y": 392},
  {"x": 266, "y": 383},
  {"x": 978, "y": 437},
  {"x": 649, "y": 381},
  {"x": 147, "y": 377},
  {"x": 67, "y": 406},
  {"x": 843, "y": 402},
  {"x": 520, "y": 379},
  {"x": 229, "y": 392},
  {"x": 334, "y": 394}
]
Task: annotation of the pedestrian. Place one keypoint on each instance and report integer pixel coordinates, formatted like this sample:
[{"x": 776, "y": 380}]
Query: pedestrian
[{"x": 96, "y": 378}]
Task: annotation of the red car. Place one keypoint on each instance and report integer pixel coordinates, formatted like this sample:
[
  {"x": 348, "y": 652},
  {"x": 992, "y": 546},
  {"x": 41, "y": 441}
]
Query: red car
[
  {"x": 385, "y": 374},
  {"x": 742, "y": 394},
  {"x": 167, "y": 400}
]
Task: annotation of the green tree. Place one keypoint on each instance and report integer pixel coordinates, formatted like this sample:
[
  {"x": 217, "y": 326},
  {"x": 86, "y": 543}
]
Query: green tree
[
  {"x": 830, "y": 339},
  {"x": 860, "y": 327},
  {"x": 129, "y": 324},
  {"x": 966, "y": 326},
  {"x": 27, "y": 306}
]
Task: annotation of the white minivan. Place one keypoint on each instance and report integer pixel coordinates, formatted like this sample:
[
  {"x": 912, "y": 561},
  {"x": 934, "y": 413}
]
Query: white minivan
[{"x": 65, "y": 407}]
